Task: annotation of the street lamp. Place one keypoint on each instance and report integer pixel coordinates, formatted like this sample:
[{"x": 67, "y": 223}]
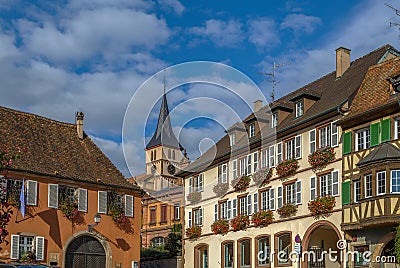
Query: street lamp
[{"x": 96, "y": 219}]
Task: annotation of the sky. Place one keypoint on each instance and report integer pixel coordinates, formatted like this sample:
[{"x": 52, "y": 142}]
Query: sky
[{"x": 58, "y": 57}]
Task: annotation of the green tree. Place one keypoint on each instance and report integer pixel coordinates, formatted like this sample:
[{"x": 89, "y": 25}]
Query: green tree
[{"x": 173, "y": 242}]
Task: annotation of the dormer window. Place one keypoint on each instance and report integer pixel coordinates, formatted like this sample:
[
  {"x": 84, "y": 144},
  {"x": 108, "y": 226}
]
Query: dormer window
[
  {"x": 232, "y": 139},
  {"x": 252, "y": 130},
  {"x": 274, "y": 120},
  {"x": 395, "y": 84},
  {"x": 299, "y": 108}
]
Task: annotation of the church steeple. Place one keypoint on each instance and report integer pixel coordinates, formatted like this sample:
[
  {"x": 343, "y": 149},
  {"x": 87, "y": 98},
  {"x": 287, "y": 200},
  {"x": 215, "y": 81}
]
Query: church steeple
[{"x": 164, "y": 134}]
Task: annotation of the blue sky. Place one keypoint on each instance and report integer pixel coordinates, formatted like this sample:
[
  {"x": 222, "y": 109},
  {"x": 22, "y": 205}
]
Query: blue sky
[{"x": 57, "y": 57}]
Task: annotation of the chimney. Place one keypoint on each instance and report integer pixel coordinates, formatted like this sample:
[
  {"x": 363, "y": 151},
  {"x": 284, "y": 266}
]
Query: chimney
[
  {"x": 257, "y": 105},
  {"x": 342, "y": 61},
  {"x": 79, "y": 124}
]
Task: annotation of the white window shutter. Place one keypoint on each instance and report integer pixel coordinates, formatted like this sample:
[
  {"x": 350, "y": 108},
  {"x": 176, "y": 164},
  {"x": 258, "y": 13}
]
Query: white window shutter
[
  {"x": 249, "y": 163},
  {"x": 297, "y": 142},
  {"x": 255, "y": 202},
  {"x": 229, "y": 209},
  {"x": 249, "y": 204},
  {"x": 272, "y": 156},
  {"x": 335, "y": 183},
  {"x": 272, "y": 199},
  {"x": 313, "y": 188},
  {"x": 82, "y": 199},
  {"x": 190, "y": 185},
  {"x": 280, "y": 196},
  {"x": 14, "y": 254},
  {"x": 128, "y": 205},
  {"x": 52, "y": 199},
  {"x": 102, "y": 202},
  {"x": 39, "y": 246},
  {"x": 234, "y": 207},
  {"x": 201, "y": 217},
  {"x": 190, "y": 219},
  {"x": 313, "y": 142},
  {"x": 298, "y": 193},
  {"x": 215, "y": 212},
  {"x": 31, "y": 193},
  {"x": 201, "y": 182}
]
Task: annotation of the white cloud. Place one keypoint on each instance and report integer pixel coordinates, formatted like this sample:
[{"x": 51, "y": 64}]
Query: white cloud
[
  {"x": 300, "y": 23},
  {"x": 172, "y": 5},
  {"x": 263, "y": 33},
  {"x": 221, "y": 33},
  {"x": 103, "y": 32}
]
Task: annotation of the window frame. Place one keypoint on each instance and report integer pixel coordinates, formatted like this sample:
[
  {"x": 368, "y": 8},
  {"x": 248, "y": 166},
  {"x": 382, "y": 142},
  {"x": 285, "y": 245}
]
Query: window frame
[
  {"x": 276, "y": 248},
  {"x": 391, "y": 181},
  {"x": 274, "y": 119},
  {"x": 377, "y": 183},
  {"x": 252, "y": 130},
  {"x": 366, "y": 189},
  {"x": 239, "y": 253},
  {"x": 223, "y": 244},
  {"x": 356, "y": 191},
  {"x": 299, "y": 108},
  {"x": 257, "y": 251},
  {"x": 366, "y": 140}
]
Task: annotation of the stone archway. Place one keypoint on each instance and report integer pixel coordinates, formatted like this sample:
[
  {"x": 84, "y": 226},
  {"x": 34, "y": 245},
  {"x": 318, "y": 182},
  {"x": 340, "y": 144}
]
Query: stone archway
[
  {"x": 321, "y": 235},
  {"x": 201, "y": 256},
  {"x": 380, "y": 246},
  {"x": 86, "y": 249}
]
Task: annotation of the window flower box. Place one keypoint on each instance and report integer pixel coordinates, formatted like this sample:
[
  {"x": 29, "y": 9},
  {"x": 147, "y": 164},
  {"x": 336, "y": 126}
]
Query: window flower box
[
  {"x": 287, "y": 167},
  {"x": 194, "y": 197},
  {"x": 287, "y": 210},
  {"x": 240, "y": 222},
  {"x": 262, "y": 218},
  {"x": 241, "y": 184},
  {"x": 262, "y": 177},
  {"x": 117, "y": 214},
  {"x": 321, "y": 158},
  {"x": 193, "y": 232},
  {"x": 322, "y": 206},
  {"x": 220, "y": 189},
  {"x": 69, "y": 209},
  {"x": 220, "y": 227}
]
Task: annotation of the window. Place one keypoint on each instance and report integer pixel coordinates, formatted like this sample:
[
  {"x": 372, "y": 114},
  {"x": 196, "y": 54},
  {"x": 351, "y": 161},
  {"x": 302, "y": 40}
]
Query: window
[
  {"x": 274, "y": 120},
  {"x": 263, "y": 251},
  {"x": 169, "y": 154},
  {"x": 299, "y": 108},
  {"x": 272, "y": 156},
  {"x": 397, "y": 128},
  {"x": 25, "y": 244},
  {"x": 234, "y": 169},
  {"x": 313, "y": 142},
  {"x": 173, "y": 154},
  {"x": 368, "y": 185},
  {"x": 267, "y": 200},
  {"x": 255, "y": 161},
  {"x": 283, "y": 248},
  {"x": 198, "y": 183},
  {"x": 357, "y": 191},
  {"x": 359, "y": 260},
  {"x": 363, "y": 139},
  {"x": 252, "y": 130},
  {"x": 198, "y": 216},
  {"x": 163, "y": 213},
  {"x": 395, "y": 181},
  {"x": 227, "y": 253},
  {"x": 381, "y": 182},
  {"x": 326, "y": 184},
  {"x": 177, "y": 211},
  {"x": 264, "y": 158},
  {"x": 279, "y": 153},
  {"x": 21, "y": 245},
  {"x": 293, "y": 148},
  {"x": 243, "y": 205},
  {"x": 248, "y": 169},
  {"x": 157, "y": 241},
  {"x": 245, "y": 253},
  {"x": 334, "y": 135},
  {"x": 313, "y": 188},
  {"x": 223, "y": 210},
  {"x": 153, "y": 216},
  {"x": 223, "y": 173},
  {"x": 293, "y": 193},
  {"x": 242, "y": 166},
  {"x": 232, "y": 139},
  {"x": 325, "y": 136}
]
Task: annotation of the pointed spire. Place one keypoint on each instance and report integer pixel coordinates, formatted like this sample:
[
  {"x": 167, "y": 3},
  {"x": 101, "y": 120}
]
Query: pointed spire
[{"x": 164, "y": 134}]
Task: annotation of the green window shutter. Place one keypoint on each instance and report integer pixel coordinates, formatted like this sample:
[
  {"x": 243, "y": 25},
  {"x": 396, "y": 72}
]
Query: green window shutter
[
  {"x": 345, "y": 192},
  {"x": 385, "y": 135},
  {"x": 374, "y": 128},
  {"x": 347, "y": 143}
]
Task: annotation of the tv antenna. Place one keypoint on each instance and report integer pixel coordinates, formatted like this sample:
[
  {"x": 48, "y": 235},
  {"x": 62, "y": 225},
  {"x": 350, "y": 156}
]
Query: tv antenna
[
  {"x": 272, "y": 77},
  {"x": 397, "y": 13}
]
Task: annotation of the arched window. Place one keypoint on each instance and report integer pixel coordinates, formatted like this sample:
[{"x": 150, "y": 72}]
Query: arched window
[
  {"x": 227, "y": 254},
  {"x": 169, "y": 153},
  {"x": 263, "y": 251},
  {"x": 283, "y": 244},
  {"x": 173, "y": 154},
  {"x": 157, "y": 241},
  {"x": 244, "y": 253}
]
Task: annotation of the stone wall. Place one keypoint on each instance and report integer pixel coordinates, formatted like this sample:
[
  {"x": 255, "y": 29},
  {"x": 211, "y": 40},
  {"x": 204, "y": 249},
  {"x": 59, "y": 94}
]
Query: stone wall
[{"x": 162, "y": 263}]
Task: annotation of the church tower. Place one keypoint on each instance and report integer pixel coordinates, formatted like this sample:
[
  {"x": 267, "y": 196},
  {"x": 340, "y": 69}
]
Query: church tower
[{"x": 164, "y": 154}]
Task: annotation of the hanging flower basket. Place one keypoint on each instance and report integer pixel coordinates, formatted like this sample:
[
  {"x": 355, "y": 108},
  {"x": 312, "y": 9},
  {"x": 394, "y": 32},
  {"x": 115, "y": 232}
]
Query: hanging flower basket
[
  {"x": 262, "y": 218},
  {"x": 262, "y": 177},
  {"x": 194, "y": 197},
  {"x": 241, "y": 184},
  {"x": 287, "y": 167},
  {"x": 193, "y": 232},
  {"x": 322, "y": 206},
  {"x": 287, "y": 210},
  {"x": 220, "y": 227},
  {"x": 321, "y": 158},
  {"x": 220, "y": 189},
  {"x": 240, "y": 223},
  {"x": 68, "y": 208},
  {"x": 117, "y": 214}
]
